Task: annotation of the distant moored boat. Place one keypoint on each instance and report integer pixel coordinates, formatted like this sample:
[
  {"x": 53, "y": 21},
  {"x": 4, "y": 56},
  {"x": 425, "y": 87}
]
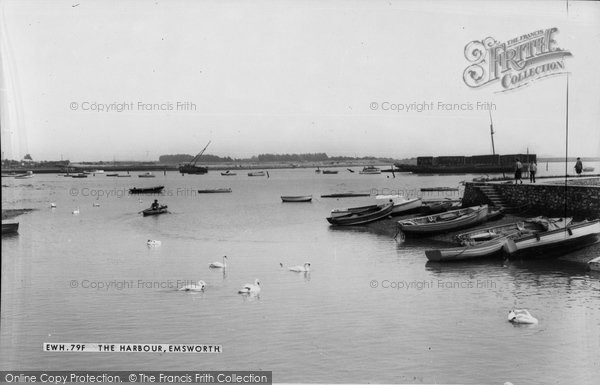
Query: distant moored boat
[
  {"x": 10, "y": 228},
  {"x": 257, "y": 173},
  {"x": 146, "y": 190},
  {"x": 214, "y": 190},
  {"x": 296, "y": 198},
  {"x": 370, "y": 170}
]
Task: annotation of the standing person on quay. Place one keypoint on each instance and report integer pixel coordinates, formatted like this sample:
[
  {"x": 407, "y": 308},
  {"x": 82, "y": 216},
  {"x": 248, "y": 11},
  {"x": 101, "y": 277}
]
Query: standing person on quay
[
  {"x": 518, "y": 171},
  {"x": 578, "y": 167},
  {"x": 532, "y": 171}
]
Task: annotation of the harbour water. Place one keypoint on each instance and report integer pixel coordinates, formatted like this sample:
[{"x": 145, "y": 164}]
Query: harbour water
[{"x": 371, "y": 310}]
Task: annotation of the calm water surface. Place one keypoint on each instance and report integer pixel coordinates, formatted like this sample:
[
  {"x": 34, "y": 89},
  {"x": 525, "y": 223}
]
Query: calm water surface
[{"x": 446, "y": 323}]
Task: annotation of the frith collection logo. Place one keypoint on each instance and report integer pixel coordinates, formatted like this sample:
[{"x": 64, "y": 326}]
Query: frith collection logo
[{"x": 515, "y": 63}]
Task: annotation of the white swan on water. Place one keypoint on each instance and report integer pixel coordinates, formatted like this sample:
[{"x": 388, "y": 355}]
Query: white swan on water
[
  {"x": 219, "y": 265},
  {"x": 194, "y": 287},
  {"x": 250, "y": 288},
  {"x": 300, "y": 269},
  {"x": 521, "y": 316}
]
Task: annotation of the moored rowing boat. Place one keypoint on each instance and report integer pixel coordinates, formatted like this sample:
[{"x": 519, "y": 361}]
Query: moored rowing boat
[
  {"x": 214, "y": 191},
  {"x": 401, "y": 204},
  {"x": 10, "y": 228},
  {"x": 257, "y": 173},
  {"x": 146, "y": 190},
  {"x": 545, "y": 244},
  {"x": 489, "y": 241},
  {"x": 296, "y": 198},
  {"x": 448, "y": 221},
  {"x": 360, "y": 215}
]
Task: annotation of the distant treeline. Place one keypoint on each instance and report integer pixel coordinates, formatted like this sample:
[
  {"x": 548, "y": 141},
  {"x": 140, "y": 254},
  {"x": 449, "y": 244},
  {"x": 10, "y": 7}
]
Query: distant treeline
[
  {"x": 287, "y": 158},
  {"x": 186, "y": 158}
]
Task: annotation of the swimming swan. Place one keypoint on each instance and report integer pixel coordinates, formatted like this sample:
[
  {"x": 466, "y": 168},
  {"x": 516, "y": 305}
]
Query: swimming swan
[
  {"x": 250, "y": 289},
  {"x": 300, "y": 269},
  {"x": 194, "y": 287},
  {"x": 219, "y": 265},
  {"x": 521, "y": 316}
]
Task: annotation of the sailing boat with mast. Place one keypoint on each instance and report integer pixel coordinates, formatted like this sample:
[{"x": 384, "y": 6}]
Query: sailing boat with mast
[{"x": 191, "y": 167}]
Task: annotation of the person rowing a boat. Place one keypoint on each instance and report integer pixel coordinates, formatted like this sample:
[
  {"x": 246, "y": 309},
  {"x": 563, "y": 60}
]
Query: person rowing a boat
[{"x": 155, "y": 205}]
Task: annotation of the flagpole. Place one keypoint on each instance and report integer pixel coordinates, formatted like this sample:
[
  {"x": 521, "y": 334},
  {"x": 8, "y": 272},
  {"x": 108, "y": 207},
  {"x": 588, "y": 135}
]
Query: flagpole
[{"x": 566, "y": 147}]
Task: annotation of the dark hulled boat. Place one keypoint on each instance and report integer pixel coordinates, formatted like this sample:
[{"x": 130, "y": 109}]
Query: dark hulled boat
[
  {"x": 360, "y": 215},
  {"x": 160, "y": 210},
  {"x": 10, "y": 228},
  {"x": 192, "y": 167},
  {"x": 147, "y": 190}
]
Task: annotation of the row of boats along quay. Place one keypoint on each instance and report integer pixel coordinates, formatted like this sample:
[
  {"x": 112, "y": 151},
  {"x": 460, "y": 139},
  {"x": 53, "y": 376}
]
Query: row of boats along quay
[{"x": 482, "y": 218}]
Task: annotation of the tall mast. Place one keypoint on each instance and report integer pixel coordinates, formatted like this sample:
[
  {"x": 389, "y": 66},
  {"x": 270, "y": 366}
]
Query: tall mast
[
  {"x": 566, "y": 147},
  {"x": 200, "y": 154},
  {"x": 492, "y": 133}
]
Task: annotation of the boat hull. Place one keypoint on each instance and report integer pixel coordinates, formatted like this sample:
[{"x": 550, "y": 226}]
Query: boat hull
[
  {"x": 191, "y": 169},
  {"x": 594, "y": 264},
  {"x": 10, "y": 228},
  {"x": 485, "y": 249},
  {"x": 150, "y": 212},
  {"x": 306, "y": 198},
  {"x": 554, "y": 242},
  {"x": 448, "y": 221},
  {"x": 345, "y": 195},
  {"x": 215, "y": 191},
  {"x": 401, "y": 205},
  {"x": 361, "y": 216},
  {"x": 259, "y": 173},
  {"x": 150, "y": 190}
]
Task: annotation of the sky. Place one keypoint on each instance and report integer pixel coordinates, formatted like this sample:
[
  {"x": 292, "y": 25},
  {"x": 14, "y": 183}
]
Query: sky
[{"x": 285, "y": 77}]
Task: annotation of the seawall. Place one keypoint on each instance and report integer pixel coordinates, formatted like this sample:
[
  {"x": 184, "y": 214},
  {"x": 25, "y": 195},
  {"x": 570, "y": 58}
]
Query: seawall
[{"x": 547, "y": 198}]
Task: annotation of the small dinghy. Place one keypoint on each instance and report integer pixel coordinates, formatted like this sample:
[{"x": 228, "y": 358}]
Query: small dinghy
[
  {"x": 257, "y": 173},
  {"x": 345, "y": 195},
  {"x": 146, "y": 190},
  {"x": 153, "y": 243},
  {"x": 10, "y": 228},
  {"x": 490, "y": 241},
  {"x": 448, "y": 221},
  {"x": 215, "y": 191},
  {"x": 296, "y": 198},
  {"x": 160, "y": 210},
  {"x": 360, "y": 215}
]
